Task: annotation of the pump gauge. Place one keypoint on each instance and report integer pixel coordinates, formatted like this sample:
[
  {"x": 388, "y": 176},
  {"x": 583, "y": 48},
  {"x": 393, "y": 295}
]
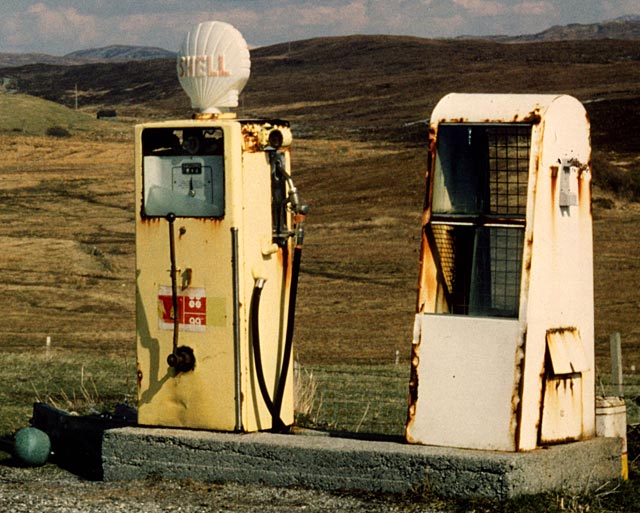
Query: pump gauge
[
  {"x": 185, "y": 186},
  {"x": 183, "y": 172}
]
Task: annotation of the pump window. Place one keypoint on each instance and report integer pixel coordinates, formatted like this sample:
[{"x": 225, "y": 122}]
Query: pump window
[
  {"x": 479, "y": 201},
  {"x": 183, "y": 172}
]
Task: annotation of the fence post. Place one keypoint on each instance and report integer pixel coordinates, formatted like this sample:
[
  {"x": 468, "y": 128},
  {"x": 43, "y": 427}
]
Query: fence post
[{"x": 616, "y": 364}]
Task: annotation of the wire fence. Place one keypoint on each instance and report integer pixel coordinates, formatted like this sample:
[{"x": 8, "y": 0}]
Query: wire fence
[
  {"x": 373, "y": 399},
  {"x": 353, "y": 398}
]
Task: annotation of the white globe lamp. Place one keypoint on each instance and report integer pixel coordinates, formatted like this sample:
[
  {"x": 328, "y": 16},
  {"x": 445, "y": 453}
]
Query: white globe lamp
[{"x": 213, "y": 66}]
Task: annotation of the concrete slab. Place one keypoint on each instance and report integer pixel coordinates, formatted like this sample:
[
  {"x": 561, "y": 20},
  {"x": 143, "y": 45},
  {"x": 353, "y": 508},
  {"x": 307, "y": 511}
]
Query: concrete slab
[{"x": 334, "y": 463}]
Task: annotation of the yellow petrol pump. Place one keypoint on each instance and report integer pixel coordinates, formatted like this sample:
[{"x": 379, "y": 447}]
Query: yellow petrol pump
[{"x": 219, "y": 230}]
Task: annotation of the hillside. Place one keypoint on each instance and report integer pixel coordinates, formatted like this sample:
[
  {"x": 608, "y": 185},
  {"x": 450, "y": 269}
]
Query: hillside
[
  {"x": 28, "y": 115},
  {"x": 610, "y": 30},
  {"x": 113, "y": 53},
  {"x": 361, "y": 85},
  {"x": 122, "y": 53},
  {"x": 625, "y": 27}
]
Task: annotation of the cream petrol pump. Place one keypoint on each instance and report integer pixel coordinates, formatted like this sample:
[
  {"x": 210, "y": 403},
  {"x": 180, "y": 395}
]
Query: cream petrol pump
[
  {"x": 503, "y": 349},
  {"x": 219, "y": 230}
]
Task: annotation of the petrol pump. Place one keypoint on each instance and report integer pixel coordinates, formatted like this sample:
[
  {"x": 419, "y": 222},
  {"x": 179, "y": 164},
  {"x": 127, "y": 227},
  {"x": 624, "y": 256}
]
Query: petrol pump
[
  {"x": 503, "y": 348},
  {"x": 219, "y": 229}
]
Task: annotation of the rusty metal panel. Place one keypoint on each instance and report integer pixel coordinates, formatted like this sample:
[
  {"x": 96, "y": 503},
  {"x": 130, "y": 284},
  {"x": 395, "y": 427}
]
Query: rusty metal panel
[
  {"x": 566, "y": 351},
  {"x": 560, "y": 288},
  {"x": 562, "y": 409}
]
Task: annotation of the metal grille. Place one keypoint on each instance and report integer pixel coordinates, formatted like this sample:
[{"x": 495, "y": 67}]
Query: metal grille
[
  {"x": 483, "y": 169},
  {"x": 509, "y": 168},
  {"x": 498, "y": 283},
  {"x": 443, "y": 235},
  {"x": 480, "y": 268}
]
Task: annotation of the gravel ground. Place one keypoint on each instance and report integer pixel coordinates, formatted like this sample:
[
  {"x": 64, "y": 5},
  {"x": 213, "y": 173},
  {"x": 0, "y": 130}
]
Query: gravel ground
[{"x": 51, "y": 489}]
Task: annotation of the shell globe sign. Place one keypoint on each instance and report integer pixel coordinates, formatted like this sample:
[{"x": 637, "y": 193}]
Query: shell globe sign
[{"x": 213, "y": 66}]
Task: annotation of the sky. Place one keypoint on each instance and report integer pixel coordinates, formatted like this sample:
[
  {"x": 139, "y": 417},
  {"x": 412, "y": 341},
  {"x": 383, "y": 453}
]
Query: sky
[{"x": 57, "y": 27}]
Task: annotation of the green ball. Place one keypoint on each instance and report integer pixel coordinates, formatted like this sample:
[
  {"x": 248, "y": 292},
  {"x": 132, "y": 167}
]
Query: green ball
[{"x": 31, "y": 447}]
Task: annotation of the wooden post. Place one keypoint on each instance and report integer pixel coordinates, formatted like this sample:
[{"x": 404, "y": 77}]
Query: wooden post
[{"x": 616, "y": 364}]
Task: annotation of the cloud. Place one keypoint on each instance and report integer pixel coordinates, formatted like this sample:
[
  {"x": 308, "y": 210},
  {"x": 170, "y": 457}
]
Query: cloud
[
  {"x": 482, "y": 7},
  {"x": 352, "y": 14},
  {"x": 50, "y": 27},
  {"x": 534, "y": 8},
  {"x": 62, "y": 23},
  {"x": 612, "y": 9},
  {"x": 500, "y": 8}
]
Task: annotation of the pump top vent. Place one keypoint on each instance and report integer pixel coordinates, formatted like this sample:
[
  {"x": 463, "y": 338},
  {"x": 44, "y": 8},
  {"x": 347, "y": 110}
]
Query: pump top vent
[{"x": 213, "y": 66}]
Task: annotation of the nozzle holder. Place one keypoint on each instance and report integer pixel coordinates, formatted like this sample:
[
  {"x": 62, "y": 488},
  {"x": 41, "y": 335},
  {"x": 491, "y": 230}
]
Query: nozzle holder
[{"x": 182, "y": 359}]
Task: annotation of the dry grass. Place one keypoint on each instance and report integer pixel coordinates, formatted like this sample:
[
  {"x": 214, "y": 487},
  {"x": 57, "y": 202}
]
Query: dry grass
[
  {"x": 67, "y": 238},
  {"x": 67, "y": 233}
]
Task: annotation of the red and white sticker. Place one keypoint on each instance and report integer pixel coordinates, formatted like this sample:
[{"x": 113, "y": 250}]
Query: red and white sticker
[{"x": 192, "y": 309}]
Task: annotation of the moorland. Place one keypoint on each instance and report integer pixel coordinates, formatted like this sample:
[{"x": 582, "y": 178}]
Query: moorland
[{"x": 359, "y": 108}]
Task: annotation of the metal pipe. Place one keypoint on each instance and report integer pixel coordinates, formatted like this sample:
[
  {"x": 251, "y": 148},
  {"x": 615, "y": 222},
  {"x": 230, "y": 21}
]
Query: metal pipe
[{"x": 236, "y": 327}]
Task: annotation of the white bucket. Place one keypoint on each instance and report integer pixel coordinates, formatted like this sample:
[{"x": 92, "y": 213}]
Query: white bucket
[{"x": 611, "y": 421}]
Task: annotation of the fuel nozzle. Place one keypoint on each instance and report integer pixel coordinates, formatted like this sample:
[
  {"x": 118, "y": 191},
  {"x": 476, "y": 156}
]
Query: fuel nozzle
[
  {"x": 299, "y": 219},
  {"x": 293, "y": 197}
]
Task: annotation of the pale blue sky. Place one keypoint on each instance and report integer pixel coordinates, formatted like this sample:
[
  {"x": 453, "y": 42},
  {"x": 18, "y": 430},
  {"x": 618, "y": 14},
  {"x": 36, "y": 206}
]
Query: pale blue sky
[{"x": 61, "y": 26}]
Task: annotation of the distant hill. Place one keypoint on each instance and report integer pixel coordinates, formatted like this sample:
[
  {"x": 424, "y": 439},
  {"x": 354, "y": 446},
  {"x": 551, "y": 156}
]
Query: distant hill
[
  {"x": 122, "y": 53},
  {"x": 625, "y": 27},
  {"x": 113, "y": 53}
]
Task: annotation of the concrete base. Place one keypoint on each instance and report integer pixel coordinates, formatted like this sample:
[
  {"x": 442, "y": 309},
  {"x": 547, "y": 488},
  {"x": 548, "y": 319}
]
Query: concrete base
[{"x": 333, "y": 463}]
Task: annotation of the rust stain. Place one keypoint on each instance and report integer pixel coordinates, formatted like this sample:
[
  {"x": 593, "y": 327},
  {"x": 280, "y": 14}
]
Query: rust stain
[
  {"x": 566, "y": 329},
  {"x": 533, "y": 117},
  {"x": 516, "y": 403},
  {"x": 584, "y": 186},
  {"x": 529, "y": 259},
  {"x": 250, "y": 138},
  {"x": 413, "y": 385},
  {"x": 555, "y": 173},
  {"x": 149, "y": 220},
  {"x": 215, "y": 221}
]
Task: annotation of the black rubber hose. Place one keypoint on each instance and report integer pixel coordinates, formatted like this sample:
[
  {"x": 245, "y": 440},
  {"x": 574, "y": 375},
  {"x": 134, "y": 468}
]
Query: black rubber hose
[
  {"x": 181, "y": 358},
  {"x": 276, "y": 423},
  {"x": 288, "y": 345},
  {"x": 174, "y": 288}
]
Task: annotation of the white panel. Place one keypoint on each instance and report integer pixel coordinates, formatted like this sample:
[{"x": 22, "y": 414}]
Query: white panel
[
  {"x": 466, "y": 379},
  {"x": 561, "y": 410},
  {"x": 566, "y": 350}
]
